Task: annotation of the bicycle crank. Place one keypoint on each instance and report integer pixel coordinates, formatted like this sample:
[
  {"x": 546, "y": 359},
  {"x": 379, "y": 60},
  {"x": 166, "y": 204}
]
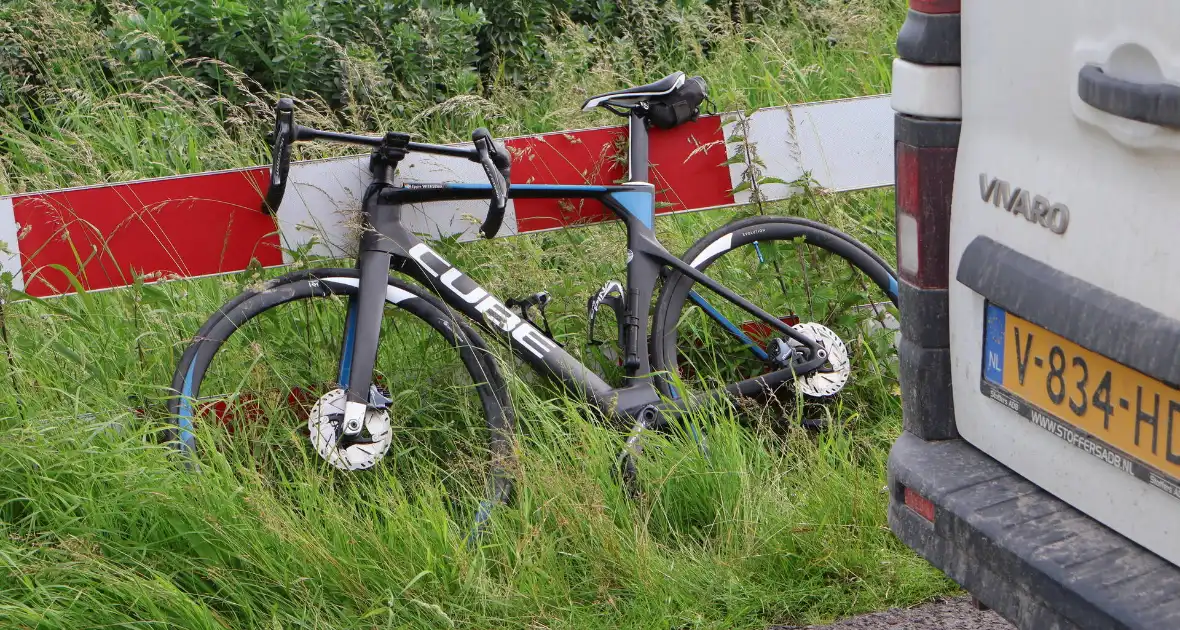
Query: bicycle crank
[
  {"x": 832, "y": 376},
  {"x": 359, "y": 452}
]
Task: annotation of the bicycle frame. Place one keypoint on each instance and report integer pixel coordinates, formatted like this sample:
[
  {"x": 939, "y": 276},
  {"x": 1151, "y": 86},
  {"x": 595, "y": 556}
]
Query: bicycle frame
[{"x": 387, "y": 245}]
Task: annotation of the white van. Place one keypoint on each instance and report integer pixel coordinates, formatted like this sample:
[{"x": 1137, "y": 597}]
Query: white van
[{"x": 1038, "y": 220}]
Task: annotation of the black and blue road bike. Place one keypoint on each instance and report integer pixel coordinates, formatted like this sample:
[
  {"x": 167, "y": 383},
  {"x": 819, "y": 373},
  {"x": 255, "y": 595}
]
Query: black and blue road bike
[{"x": 759, "y": 306}]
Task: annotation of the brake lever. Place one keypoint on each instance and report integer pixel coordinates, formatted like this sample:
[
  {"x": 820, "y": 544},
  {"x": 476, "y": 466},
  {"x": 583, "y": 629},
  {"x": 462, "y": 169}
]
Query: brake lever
[
  {"x": 489, "y": 157},
  {"x": 280, "y": 151}
]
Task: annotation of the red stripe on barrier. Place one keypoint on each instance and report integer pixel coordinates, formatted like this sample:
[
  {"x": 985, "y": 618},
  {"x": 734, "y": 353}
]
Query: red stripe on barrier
[
  {"x": 688, "y": 166},
  {"x": 688, "y": 170},
  {"x": 937, "y": 6},
  {"x": 184, "y": 226},
  {"x": 588, "y": 157}
]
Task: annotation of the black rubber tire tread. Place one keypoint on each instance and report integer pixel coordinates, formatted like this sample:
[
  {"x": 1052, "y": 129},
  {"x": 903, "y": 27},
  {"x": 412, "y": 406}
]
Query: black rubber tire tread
[
  {"x": 491, "y": 367},
  {"x": 224, "y": 309},
  {"x": 490, "y": 385},
  {"x": 670, "y": 303}
]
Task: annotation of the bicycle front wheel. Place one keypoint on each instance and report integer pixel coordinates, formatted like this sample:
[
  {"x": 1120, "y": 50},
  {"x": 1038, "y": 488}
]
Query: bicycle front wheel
[
  {"x": 267, "y": 369},
  {"x": 809, "y": 275}
]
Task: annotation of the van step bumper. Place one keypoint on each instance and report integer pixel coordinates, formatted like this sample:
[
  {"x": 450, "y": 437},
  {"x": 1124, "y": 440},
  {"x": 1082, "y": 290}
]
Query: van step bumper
[{"x": 1021, "y": 551}]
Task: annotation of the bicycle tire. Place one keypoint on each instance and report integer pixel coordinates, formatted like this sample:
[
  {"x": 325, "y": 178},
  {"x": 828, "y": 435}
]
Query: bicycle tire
[
  {"x": 489, "y": 384},
  {"x": 670, "y": 305}
]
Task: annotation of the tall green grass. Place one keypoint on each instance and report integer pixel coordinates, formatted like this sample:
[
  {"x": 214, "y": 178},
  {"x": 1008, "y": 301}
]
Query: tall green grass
[
  {"x": 102, "y": 528},
  {"x": 88, "y": 128}
]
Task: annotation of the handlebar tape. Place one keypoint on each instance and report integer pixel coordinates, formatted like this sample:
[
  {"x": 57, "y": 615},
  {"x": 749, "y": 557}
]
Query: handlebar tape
[
  {"x": 499, "y": 175},
  {"x": 280, "y": 151}
]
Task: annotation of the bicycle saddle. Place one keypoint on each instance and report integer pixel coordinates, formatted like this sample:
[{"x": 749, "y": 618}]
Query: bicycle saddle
[{"x": 635, "y": 95}]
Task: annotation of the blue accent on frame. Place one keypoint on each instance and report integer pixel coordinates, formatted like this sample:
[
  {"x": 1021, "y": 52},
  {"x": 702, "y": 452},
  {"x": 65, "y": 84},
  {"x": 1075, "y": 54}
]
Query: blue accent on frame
[
  {"x": 346, "y": 352},
  {"x": 733, "y": 329},
  {"x": 187, "y": 441},
  {"x": 641, "y": 204},
  {"x": 482, "y": 515},
  {"x": 995, "y": 327},
  {"x": 554, "y": 188},
  {"x": 699, "y": 439},
  {"x": 892, "y": 287},
  {"x": 560, "y": 187}
]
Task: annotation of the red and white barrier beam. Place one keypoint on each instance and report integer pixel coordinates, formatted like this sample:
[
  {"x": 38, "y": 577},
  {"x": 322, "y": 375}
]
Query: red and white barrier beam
[{"x": 210, "y": 223}]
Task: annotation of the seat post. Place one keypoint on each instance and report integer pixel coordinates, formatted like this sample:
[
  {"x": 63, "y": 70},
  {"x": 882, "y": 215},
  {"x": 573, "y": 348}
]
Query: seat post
[{"x": 637, "y": 154}]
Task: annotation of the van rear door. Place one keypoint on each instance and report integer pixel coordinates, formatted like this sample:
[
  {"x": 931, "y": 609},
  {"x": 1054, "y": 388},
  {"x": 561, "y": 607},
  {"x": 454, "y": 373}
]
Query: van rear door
[{"x": 1064, "y": 254}]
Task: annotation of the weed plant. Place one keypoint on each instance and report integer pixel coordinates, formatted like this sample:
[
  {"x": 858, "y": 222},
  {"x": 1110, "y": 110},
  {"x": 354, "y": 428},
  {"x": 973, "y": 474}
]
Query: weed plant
[{"x": 102, "y": 528}]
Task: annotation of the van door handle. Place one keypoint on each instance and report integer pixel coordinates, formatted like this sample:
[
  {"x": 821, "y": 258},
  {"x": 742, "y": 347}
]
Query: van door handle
[{"x": 1153, "y": 103}]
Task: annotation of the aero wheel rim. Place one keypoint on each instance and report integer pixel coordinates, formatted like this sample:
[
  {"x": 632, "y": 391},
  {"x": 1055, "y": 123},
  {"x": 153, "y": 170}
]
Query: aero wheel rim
[
  {"x": 258, "y": 393},
  {"x": 805, "y": 286}
]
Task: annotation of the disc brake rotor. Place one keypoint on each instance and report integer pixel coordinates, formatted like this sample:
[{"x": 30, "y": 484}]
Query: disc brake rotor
[
  {"x": 324, "y": 425},
  {"x": 833, "y": 375}
]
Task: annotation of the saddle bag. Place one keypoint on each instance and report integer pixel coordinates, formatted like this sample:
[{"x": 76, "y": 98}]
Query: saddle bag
[{"x": 680, "y": 106}]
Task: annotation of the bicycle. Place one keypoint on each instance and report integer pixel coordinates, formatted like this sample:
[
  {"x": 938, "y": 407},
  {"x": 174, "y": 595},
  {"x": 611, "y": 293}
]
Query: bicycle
[{"x": 349, "y": 425}]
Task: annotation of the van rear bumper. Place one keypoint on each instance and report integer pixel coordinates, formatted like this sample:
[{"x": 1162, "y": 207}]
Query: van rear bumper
[{"x": 1021, "y": 551}]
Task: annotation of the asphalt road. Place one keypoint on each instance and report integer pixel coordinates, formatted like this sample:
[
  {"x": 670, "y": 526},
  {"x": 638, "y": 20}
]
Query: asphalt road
[{"x": 947, "y": 614}]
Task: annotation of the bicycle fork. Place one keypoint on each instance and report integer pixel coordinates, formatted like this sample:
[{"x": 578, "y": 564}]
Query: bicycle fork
[
  {"x": 362, "y": 330},
  {"x": 361, "y": 336}
]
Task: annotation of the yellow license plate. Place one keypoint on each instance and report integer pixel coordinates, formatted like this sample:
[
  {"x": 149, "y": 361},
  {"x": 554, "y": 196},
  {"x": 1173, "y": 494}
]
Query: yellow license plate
[{"x": 1119, "y": 415}]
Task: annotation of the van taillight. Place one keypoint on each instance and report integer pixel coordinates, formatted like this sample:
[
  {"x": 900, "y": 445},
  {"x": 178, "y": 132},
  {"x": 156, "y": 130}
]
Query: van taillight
[
  {"x": 936, "y": 6},
  {"x": 927, "y": 98},
  {"x": 924, "y": 183}
]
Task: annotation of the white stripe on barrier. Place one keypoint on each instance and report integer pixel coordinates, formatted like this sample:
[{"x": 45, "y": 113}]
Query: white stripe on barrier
[
  {"x": 847, "y": 146},
  {"x": 767, "y": 139},
  {"x": 10, "y": 244},
  {"x": 843, "y": 145},
  {"x": 320, "y": 209},
  {"x": 459, "y": 219},
  {"x": 312, "y": 215}
]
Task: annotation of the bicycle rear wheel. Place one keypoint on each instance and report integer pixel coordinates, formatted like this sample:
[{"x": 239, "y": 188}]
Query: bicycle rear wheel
[
  {"x": 266, "y": 366},
  {"x": 812, "y": 277}
]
